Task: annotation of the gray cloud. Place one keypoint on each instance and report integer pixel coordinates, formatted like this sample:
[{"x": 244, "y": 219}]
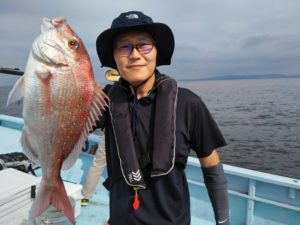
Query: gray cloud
[{"x": 212, "y": 37}]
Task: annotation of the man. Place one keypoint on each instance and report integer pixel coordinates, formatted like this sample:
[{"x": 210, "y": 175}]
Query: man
[
  {"x": 95, "y": 171},
  {"x": 150, "y": 127}
]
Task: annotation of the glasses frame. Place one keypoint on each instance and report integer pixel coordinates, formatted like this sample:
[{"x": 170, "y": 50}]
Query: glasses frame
[{"x": 128, "y": 48}]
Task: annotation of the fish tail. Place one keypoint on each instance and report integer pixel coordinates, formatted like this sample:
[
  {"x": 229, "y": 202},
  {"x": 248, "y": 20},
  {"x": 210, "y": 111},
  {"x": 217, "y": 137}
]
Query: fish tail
[{"x": 52, "y": 195}]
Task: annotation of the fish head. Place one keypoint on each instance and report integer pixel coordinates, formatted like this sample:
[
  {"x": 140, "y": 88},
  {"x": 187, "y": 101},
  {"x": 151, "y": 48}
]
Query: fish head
[{"x": 58, "y": 44}]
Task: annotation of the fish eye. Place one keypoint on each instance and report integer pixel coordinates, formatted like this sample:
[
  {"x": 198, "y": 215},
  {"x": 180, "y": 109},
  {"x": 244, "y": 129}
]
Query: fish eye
[{"x": 73, "y": 44}]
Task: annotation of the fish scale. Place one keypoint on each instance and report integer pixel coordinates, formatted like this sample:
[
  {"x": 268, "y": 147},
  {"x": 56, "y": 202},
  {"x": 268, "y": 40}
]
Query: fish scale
[{"x": 61, "y": 103}]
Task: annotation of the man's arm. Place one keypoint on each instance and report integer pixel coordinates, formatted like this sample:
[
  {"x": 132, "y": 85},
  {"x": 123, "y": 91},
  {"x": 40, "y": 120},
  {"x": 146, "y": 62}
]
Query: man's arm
[{"x": 216, "y": 184}]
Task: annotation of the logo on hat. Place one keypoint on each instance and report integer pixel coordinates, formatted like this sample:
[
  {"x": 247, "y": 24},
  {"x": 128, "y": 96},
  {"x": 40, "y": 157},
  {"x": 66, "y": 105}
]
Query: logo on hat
[{"x": 132, "y": 16}]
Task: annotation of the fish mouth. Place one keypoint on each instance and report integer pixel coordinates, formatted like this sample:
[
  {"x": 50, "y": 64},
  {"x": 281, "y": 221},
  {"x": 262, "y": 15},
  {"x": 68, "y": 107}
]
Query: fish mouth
[
  {"x": 46, "y": 25},
  {"x": 49, "y": 24},
  {"x": 58, "y": 21}
]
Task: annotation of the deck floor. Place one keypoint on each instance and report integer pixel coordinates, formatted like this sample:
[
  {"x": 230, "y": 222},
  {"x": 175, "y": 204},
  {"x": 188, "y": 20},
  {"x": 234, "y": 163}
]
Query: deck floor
[{"x": 97, "y": 211}]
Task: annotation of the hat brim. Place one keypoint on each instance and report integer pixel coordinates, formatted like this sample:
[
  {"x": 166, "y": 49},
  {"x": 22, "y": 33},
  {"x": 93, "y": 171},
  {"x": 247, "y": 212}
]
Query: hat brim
[{"x": 161, "y": 33}]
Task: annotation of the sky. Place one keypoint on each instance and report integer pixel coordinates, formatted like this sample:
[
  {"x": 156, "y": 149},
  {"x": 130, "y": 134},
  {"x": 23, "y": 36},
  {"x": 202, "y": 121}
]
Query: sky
[{"x": 212, "y": 37}]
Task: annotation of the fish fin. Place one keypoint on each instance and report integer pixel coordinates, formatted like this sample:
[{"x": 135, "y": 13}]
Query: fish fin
[
  {"x": 52, "y": 195},
  {"x": 17, "y": 92},
  {"x": 99, "y": 103},
  {"x": 27, "y": 148}
]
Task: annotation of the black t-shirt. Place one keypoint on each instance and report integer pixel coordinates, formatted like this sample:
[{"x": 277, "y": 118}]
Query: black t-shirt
[{"x": 166, "y": 199}]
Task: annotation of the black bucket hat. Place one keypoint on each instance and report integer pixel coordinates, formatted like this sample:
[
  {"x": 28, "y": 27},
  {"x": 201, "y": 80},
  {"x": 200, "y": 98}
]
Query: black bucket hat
[{"x": 136, "y": 21}]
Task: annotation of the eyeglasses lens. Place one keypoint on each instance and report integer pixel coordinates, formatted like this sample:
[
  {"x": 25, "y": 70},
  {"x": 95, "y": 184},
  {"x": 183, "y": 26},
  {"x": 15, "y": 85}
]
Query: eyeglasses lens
[{"x": 143, "y": 48}]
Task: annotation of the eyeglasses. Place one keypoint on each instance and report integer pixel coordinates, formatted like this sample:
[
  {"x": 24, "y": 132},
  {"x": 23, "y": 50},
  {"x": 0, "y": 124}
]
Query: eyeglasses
[{"x": 126, "y": 49}]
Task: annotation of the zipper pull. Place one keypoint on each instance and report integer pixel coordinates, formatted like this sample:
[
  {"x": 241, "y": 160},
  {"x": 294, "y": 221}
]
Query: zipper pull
[{"x": 136, "y": 203}]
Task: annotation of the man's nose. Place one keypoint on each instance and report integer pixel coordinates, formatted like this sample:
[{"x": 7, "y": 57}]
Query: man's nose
[{"x": 135, "y": 53}]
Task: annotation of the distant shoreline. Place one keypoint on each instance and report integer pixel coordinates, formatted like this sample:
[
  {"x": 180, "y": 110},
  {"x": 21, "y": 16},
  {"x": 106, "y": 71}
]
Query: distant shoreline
[
  {"x": 245, "y": 77},
  {"x": 10, "y": 80}
]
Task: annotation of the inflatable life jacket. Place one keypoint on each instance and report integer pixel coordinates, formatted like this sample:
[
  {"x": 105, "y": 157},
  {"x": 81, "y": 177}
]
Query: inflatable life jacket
[{"x": 164, "y": 139}]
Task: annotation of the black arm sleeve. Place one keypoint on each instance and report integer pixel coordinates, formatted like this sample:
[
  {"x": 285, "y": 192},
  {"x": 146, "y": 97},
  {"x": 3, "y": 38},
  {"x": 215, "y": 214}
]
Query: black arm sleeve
[{"x": 216, "y": 185}]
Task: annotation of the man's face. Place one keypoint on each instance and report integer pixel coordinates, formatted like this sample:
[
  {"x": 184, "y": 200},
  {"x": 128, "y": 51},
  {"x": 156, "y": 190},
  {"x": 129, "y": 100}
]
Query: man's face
[{"x": 135, "y": 56}]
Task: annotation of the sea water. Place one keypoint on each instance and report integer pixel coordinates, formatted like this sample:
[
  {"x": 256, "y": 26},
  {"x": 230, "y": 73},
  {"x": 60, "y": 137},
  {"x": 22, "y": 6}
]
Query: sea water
[{"x": 260, "y": 120}]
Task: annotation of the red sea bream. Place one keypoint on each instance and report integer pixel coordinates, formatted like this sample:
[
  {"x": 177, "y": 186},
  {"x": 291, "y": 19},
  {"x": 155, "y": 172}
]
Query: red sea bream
[{"x": 62, "y": 101}]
